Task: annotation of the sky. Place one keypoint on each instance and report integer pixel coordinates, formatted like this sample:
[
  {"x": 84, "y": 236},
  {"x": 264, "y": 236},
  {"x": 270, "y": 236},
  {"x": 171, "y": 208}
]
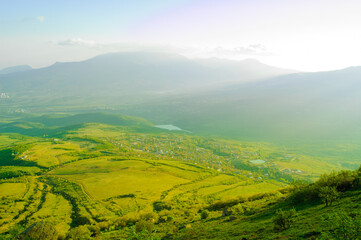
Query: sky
[{"x": 306, "y": 35}]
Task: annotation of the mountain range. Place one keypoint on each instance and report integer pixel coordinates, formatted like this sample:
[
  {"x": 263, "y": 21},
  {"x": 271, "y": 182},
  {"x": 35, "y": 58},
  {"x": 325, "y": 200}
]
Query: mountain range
[
  {"x": 134, "y": 74},
  {"x": 242, "y": 99},
  {"x": 14, "y": 69}
]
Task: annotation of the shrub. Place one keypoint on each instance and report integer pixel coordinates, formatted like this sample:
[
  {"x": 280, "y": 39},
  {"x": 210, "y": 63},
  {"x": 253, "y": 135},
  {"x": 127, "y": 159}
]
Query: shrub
[
  {"x": 284, "y": 219},
  {"x": 159, "y": 206},
  {"x": 303, "y": 194},
  {"x": 103, "y": 226},
  {"x": 39, "y": 231},
  {"x": 144, "y": 234},
  {"x": 204, "y": 214},
  {"x": 79, "y": 233},
  {"x": 343, "y": 180},
  {"x": 238, "y": 209},
  {"x": 343, "y": 227},
  {"x": 95, "y": 230},
  {"x": 328, "y": 194},
  {"x": 218, "y": 205},
  {"x": 143, "y": 225},
  {"x": 81, "y": 220},
  {"x": 151, "y": 216},
  {"x": 15, "y": 231}
]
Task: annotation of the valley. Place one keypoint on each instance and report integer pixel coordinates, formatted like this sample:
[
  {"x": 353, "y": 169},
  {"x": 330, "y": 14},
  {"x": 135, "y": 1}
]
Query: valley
[
  {"x": 180, "y": 120},
  {"x": 108, "y": 171}
]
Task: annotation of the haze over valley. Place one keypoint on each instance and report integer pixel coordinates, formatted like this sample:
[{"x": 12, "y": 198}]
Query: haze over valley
[{"x": 180, "y": 120}]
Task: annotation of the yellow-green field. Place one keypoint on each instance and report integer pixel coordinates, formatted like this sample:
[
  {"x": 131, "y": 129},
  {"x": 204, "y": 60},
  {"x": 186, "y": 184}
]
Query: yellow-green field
[
  {"x": 48, "y": 154},
  {"x": 104, "y": 178},
  {"x": 12, "y": 189},
  {"x": 107, "y": 176}
]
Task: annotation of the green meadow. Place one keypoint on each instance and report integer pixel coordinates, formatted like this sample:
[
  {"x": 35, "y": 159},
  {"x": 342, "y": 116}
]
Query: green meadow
[{"x": 121, "y": 178}]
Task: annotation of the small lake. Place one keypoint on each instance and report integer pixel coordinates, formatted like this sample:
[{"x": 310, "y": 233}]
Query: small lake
[
  {"x": 169, "y": 127},
  {"x": 258, "y": 161}
]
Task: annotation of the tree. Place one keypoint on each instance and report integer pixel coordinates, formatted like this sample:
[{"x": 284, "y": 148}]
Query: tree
[
  {"x": 79, "y": 233},
  {"x": 204, "y": 214},
  {"x": 328, "y": 194},
  {"x": 284, "y": 219},
  {"x": 143, "y": 225}
]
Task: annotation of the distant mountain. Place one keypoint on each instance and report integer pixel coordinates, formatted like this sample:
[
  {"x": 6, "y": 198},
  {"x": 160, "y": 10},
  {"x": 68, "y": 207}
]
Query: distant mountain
[
  {"x": 290, "y": 107},
  {"x": 124, "y": 76},
  {"x": 248, "y": 69},
  {"x": 14, "y": 69}
]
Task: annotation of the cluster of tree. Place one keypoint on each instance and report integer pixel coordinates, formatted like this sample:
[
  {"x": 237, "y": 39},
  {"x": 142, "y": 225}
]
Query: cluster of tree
[
  {"x": 221, "y": 204},
  {"x": 10, "y": 156},
  {"x": 272, "y": 173},
  {"x": 326, "y": 188}
]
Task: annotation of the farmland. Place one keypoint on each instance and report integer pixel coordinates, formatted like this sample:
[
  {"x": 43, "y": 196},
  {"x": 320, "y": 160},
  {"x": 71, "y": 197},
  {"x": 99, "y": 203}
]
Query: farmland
[{"x": 108, "y": 176}]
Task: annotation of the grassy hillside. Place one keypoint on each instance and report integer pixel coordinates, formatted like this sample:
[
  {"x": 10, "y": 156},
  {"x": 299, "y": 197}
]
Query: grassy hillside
[{"x": 112, "y": 176}]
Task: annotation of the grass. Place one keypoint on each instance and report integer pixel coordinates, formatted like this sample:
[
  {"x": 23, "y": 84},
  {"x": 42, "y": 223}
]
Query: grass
[
  {"x": 12, "y": 189},
  {"x": 110, "y": 176},
  {"x": 56, "y": 210},
  {"x": 104, "y": 178},
  {"x": 47, "y": 154}
]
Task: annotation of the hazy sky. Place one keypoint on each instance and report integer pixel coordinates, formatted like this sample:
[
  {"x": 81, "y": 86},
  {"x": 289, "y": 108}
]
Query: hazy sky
[{"x": 308, "y": 35}]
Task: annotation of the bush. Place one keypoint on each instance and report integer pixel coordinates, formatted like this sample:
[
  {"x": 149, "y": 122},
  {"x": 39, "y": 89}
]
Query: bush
[
  {"x": 325, "y": 188},
  {"x": 239, "y": 209},
  {"x": 343, "y": 227},
  {"x": 15, "y": 231},
  {"x": 284, "y": 219},
  {"x": 151, "y": 216},
  {"x": 95, "y": 230},
  {"x": 103, "y": 226},
  {"x": 144, "y": 234},
  {"x": 328, "y": 194},
  {"x": 343, "y": 180},
  {"x": 143, "y": 225},
  {"x": 159, "y": 206},
  {"x": 79, "y": 233},
  {"x": 39, "y": 231},
  {"x": 204, "y": 214},
  {"x": 218, "y": 205}
]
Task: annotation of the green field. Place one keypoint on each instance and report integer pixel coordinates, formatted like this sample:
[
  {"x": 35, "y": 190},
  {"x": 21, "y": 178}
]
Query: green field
[{"x": 110, "y": 177}]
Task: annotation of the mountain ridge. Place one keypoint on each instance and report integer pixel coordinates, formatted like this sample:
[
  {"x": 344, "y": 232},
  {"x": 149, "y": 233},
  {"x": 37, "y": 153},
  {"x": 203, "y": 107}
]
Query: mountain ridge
[
  {"x": 122, "y": 75},
  {"x": 15, "y": 69}
]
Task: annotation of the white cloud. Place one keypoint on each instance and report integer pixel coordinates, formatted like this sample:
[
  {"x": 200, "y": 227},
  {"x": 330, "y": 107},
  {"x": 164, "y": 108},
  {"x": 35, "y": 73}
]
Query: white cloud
[
  {"x": 252, "y": 49},
  {"x": 258, "y": 51},
  {"x": 33, "y": 19},
  {"x": 78, "y": 42},
  {"x": 40, "y": 18}
]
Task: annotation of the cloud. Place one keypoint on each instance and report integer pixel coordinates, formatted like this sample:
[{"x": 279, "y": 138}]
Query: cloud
[
  {"x": 191, "y": 51},
  {"x": 33, "y": 19},
  {"x": 252, "y": 49},
  {"x": 78, "y": 42},
  {"x": 40, "y": 18}
]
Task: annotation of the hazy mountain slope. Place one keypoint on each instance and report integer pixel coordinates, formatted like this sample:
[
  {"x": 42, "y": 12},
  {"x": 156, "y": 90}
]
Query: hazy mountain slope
[
  {"x": 105, "y": 118},
  {"x": 248, "y": 69},
  {"x": 121, "y": 75},
  {"x": 14, "y": 69},
  {"x": 57, "y": 123},
  {"x": 295, "y": 106}
]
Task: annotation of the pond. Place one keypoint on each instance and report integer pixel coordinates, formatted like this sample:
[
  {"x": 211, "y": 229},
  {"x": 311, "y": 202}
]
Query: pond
[
  {"x": 169, "y": 127},
  {"x": 258, "y": 161}
]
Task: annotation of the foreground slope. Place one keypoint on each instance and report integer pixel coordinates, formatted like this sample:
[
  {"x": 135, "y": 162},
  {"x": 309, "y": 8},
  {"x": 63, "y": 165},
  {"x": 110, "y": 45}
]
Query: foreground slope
[
  {"x": 91, "y": 173},
  {"x": 130, "y": 180}
]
